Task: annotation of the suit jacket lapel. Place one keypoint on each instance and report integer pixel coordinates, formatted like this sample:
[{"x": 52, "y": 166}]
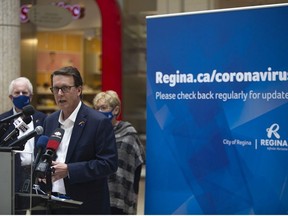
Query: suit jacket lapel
[
  {"x": 76, "y": 133},
  {"x": 36, "y": 120}
]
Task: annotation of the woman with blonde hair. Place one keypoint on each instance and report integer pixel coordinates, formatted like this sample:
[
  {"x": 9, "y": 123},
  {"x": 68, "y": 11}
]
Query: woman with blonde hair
[{"x": 124, "y": 184}]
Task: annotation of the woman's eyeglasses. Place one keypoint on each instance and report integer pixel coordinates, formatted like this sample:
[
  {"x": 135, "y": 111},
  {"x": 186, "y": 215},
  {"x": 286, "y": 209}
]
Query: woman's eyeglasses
[{"x": 103, "y": 108}]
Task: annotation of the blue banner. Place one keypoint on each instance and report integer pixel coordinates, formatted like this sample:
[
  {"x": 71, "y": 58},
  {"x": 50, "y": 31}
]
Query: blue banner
[{"x": 217, "y": 112}]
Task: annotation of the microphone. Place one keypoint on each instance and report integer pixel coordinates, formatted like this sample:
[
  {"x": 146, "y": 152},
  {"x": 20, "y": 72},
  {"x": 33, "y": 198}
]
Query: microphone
[
  {"x": 27, "y": 111},
  {"x": 53, "y": 143},
  {"x": 22, "y": 140},
  {"x": 3, "y": 128},
  {"x": 40, "y": 146},
  {"x": 20, "y": 125}
]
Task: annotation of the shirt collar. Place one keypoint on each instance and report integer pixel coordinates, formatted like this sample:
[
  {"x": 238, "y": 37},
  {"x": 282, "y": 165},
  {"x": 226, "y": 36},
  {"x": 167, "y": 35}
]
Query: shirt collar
[
  {"x": 14, "y": 113},
  {"x": 72, "y": 117}
]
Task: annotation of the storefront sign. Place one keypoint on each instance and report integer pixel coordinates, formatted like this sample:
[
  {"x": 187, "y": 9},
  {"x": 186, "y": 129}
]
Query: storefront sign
[
  {"x": 76, "y": 10},
  {"x": 49, "y": 16}
]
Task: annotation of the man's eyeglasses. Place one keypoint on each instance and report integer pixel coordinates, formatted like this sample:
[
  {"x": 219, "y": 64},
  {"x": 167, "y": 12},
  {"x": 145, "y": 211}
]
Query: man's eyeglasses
[{"x": 63, "y": 89}]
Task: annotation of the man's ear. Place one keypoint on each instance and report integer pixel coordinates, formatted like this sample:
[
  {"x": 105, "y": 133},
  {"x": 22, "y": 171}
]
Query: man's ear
[{"x": 79, "y": 90}]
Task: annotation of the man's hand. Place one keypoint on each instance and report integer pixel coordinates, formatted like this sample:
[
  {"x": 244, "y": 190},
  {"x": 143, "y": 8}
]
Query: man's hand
[{"x": 59, "y": 170}]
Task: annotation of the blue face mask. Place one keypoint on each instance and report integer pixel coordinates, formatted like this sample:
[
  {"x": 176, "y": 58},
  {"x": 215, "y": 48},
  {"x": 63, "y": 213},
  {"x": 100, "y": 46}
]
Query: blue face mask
[
  {"x": 21, "y": 101},
  {"x": 109, "y": 114}
]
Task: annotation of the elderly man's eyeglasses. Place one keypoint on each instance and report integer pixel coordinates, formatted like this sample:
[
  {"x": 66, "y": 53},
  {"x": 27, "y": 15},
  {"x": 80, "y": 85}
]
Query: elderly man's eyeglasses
[{"x": 64, "y": 89}]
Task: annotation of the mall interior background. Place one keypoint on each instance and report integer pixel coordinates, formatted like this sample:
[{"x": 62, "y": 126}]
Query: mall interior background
[
  {"x": 87, "y": 33},
  {"x": 84, "y": 36}
]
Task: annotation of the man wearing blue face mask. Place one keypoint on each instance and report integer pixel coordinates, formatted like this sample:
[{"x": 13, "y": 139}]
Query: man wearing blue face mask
[{"x": 20, "y": 93}]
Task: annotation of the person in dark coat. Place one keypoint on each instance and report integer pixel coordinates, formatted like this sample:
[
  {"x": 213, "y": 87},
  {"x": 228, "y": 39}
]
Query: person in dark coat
[
  {"x": 124, "y": 184},
  {"x": 87, "y": 154},
  {"x": 21, "y": 93}
]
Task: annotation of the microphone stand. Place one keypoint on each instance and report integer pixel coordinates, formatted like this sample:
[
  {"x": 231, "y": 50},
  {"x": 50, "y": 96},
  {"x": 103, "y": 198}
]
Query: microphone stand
[{"x": 49, "y": 190}]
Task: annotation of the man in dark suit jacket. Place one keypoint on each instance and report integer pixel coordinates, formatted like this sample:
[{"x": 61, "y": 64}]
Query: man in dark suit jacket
[
  {"x": 21, "y": 93},
  {"x": 87, "y": 154}
]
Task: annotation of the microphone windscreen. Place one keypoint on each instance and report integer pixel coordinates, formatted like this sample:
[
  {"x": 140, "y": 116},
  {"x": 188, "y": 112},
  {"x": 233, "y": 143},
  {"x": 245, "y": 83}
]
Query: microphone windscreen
[
  {"x": 28, "y": 110},
  {"x": 42, "y": 142},
  {"x": 27, "y": 119},
  {"x": 55, "y": 139},
  {"x": 39, "y": 130},
  {"x": 53, "y": 144}
]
